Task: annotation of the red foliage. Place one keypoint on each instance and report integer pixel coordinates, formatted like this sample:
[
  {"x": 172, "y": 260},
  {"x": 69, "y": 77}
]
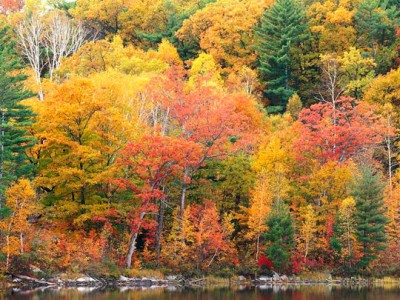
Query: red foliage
[
  {"x": 206, "y": 115},
  {"x": 340, "y": 132},
  {"x": 297, "y": 264},
  {"x": 264, "y": 262},
  {"x": 59, "y": 250},
  {"x": 207, "y": 239},
  {"x": 154, "y": 160},
  {"x": 9, "y": 6}
]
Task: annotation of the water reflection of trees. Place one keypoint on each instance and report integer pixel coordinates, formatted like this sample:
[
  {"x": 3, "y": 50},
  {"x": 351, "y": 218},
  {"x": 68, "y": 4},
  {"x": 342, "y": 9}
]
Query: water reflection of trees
[{"x": 262, "y": 292}]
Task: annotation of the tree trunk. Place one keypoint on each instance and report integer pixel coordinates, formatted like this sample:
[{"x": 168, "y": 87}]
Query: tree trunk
[
  {"x": 389, "y": 147},
  {"x": 184, "y": 190},
  {"x": 159, "y": 230},
  {"x": 258, "y": 245},
  {"x": 83, "y": 195},
  {"x": 21, "y": 240},
  {"x": 348, "y": 238},
  {"x": 132, "y": 242},
  {"x": 2, "y": 155}
]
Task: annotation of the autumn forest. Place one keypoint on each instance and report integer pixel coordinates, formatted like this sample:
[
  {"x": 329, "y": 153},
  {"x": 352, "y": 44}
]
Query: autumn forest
[{"x": 225, "y": 137}]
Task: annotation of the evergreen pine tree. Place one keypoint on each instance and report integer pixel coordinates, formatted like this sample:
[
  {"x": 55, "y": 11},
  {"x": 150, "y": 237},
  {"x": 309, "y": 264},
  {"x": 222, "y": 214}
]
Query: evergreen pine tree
[
  {"x": 335, "y": 242},
  {"x": 282, "y": 27},
  {"x": 369, "y": 216},
  {"x": 280, "y": 236},
  {"x": 14, "y": 117},
  {"x": 376, "y": 22}
]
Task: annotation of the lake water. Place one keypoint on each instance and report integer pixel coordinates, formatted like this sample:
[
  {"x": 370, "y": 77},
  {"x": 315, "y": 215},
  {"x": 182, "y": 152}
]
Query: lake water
[{"x": 314, "y": 292}]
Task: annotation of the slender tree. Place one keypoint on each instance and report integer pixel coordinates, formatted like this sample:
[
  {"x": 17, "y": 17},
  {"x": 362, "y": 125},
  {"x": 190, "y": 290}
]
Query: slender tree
[
  {"x": 344, "y": 239},
  {"x": 282, "y": 27},
  {"x": 45, "y": 39},
  {"x": 280, "y": 236},
  {"x": 369, "y": 215}
]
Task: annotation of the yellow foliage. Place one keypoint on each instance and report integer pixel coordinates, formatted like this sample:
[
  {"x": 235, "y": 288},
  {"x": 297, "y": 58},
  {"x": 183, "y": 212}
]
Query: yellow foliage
[
  {"x": 358, "y": 72},
  {"x": 224, "y": 30},
  {"x": 385, "y": 89},
  {"x": 204, "y": 71},
  {"x": 20, "y": 199},
  {"x": 334, "y": 22},
  {"x": 167, "y": 53},
  {"x": 307, "y": 232},
  {"x": 82, "y": 124},
  {"x": 340, "y": 16},
  {"x": 294, "y": 106},
  {"x": 260, "y": 206},
  {"x": 346, "y": 220},
  {"x": 107, "y": 56},
  {"x": 392, "y": 201},
  {"x": 273, "y": 161}
]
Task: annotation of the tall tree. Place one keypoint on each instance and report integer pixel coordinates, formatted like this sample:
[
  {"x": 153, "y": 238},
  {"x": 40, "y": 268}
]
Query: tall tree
[
  {"x": 283, "y": 26},
  {"x": 14, "y": 117},
  {"x": 369, "y": 215},
  {"x": 376, "y": 21},
  {"x": 153, "y": 160},
  {"x": 258, "y": 210},
  {"x": 44, "y": 39},
  {"x": 280, "y": 236},
  {"x": 219, "y": 122}
]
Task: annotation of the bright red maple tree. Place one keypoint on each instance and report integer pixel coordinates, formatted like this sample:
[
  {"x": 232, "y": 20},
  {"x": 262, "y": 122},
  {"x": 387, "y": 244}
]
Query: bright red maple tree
[
  {"x": 220, "y": 123},
  {"x": 339, "y": 132},
  {"x": 154, "y": 160}
]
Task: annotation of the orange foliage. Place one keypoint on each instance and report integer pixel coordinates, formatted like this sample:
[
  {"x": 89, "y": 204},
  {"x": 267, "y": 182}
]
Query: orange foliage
[{"x": 341, "y": 132}]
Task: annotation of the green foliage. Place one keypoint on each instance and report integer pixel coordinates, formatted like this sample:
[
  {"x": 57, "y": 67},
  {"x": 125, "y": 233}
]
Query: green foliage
[
  {"x": 5, "y": 212},
  {"x": 210, "y": 184},
  {"x": 15, "y": 118},
  {"x": 335, "y": 243},
  {"x": 63, "y": 5},
  {"x": 174, "y": 20},
  {"x": 376, "y": 21},
  {"x": 231, "y": 177},
  {"x": 280, "y": 236},
  {"x": 283, "y": 26},
  {"x": 369, "y": 215}
]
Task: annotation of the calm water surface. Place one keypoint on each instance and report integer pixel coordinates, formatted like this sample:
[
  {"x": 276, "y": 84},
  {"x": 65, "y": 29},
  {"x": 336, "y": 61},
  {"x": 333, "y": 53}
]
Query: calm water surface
[{"x": 316, "y": 292}]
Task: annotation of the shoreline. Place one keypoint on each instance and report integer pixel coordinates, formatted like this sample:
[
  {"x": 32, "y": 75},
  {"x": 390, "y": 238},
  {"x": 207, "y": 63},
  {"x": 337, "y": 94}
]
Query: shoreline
[{"x": 22, "y": 281}]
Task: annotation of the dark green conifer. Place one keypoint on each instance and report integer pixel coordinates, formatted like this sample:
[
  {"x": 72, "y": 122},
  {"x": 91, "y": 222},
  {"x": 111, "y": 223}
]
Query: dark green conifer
[
  {"x": 282, "y": 27},
  {"x": 369, "y": 216},
  {"x": 376, "y": 23},
  {"x": 280, "y": 236},
  {"x": 15, "y": 118}
]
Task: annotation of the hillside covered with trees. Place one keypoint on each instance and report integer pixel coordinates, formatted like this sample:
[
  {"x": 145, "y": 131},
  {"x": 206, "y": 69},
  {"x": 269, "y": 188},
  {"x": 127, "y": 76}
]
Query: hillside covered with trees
[{"x": 200, "y": 136}]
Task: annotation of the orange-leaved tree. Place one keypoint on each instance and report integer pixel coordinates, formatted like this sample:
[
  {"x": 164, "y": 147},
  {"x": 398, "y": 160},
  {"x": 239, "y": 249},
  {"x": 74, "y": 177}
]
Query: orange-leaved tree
[
  {"x": 219, "y": 122},
  {"x": 339, "y": 132},
  {"x": 207, "y": 237},
  {"x": 151, "y": 162}
]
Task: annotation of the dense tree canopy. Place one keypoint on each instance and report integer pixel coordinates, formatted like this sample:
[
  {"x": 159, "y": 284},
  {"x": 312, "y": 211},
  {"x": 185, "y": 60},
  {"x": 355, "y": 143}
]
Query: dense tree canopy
[{"x": 227, "y": 137}]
